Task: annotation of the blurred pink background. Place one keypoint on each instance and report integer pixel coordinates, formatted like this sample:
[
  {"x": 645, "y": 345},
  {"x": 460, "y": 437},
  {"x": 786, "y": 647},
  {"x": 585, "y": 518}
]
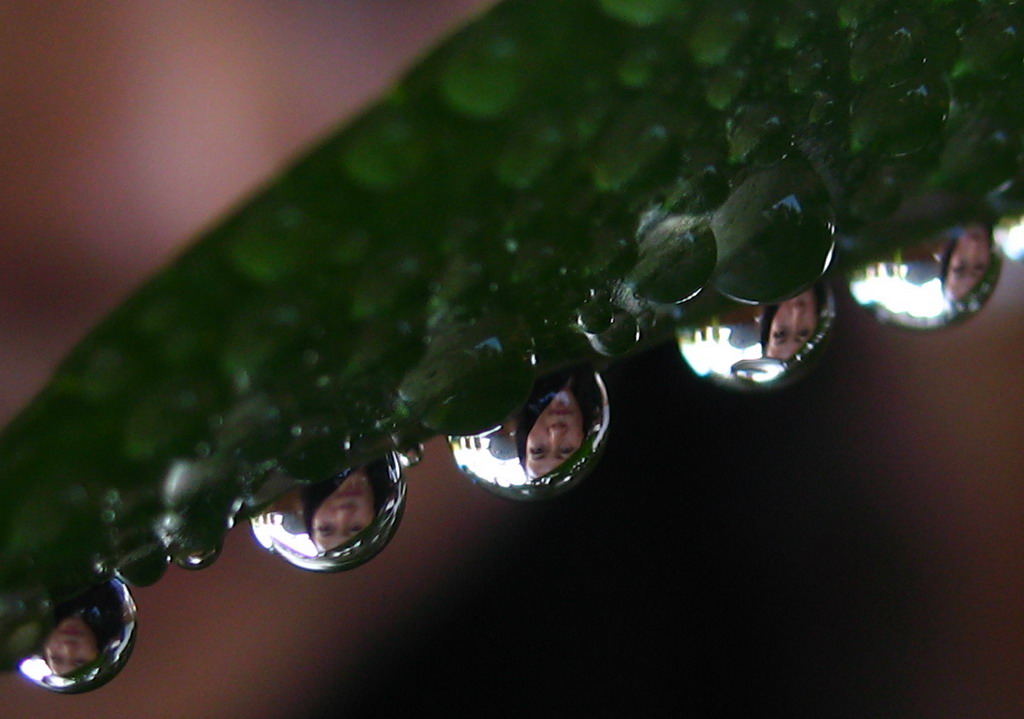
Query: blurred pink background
[{"x": 125, "y": 128}]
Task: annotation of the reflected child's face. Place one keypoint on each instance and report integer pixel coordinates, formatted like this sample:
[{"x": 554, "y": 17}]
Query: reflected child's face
[
  {"x": 792, "y": 325},
  {"x": 556, "y": 435},
  {"x": 71, "y": 645},
  {"x": 968, "y": 262},
  {"x": 346, "y": 512}
]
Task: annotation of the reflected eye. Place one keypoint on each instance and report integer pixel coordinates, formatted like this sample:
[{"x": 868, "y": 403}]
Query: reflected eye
[{"x": 323, "y": 529}]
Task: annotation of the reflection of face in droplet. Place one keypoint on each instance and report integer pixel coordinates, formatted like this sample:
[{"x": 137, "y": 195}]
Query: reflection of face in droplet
[
  {"x": 940, "y": 281},
  {"x": 790, "y": 325},
  {"x": 72, "y": 644},
  {"x": 548, "y": 445},
  {"x": 344, "y": 513},
  {"x": 555, "y": 436},
  {"x": 339, "y": 523},
  {"x": 749, "y": 346},
  {"x": 90, "y": 642},
  {"x": 969, "y": 257}
]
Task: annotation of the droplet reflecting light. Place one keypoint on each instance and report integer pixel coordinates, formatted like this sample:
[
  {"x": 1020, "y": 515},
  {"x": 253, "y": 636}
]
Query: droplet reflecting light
[
  {"x": 548, "y": 446},
  {"x": 90, "y": 642},
  {"x": 753, "y": 347},
  {"x": 942, "y": 281},
  {"x": 339, "y": 523}
]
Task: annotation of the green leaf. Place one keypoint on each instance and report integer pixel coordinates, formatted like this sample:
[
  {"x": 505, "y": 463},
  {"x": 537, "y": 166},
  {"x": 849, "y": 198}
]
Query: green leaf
[{"x": 553, "y": 167}]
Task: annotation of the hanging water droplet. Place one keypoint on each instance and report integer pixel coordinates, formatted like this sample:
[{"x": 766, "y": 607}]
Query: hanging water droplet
[
  {"x": 620, "y": 337},
  {"x": 90, "y": 642},
  {"x": 774, "y": 235},
  {"x": 337, "y": 524},
  {"x": 753, "y": 347},
  {"x": 677, "y": 255},
  {"x": 411, "y": 456},
  {"x": 24, "y": 619},
  {"x": 548, "y": 446},
  {"x": 484, "y": 79},
  {"x": 198, "y": 558},
  {"x": 944, "y": 280}
]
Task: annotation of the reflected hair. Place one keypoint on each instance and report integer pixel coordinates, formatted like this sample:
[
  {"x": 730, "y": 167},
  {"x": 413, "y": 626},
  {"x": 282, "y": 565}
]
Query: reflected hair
[
  {"x": 101, "y": 610},
  {"x": 954, "y": 239},
  {"x": 581, "y": 381},
  {"x": 820, "y": 300},
  {"x": 313, "y": 495}
]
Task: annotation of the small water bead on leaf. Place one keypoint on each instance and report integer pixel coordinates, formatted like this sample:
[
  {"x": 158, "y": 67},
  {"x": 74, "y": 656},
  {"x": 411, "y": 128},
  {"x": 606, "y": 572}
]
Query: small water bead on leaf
[
  {"x": 992, "y": 44},
  {"x": 761, "y": 347},
  {"x": 980, "y": 153},
  {"x": 91, "y": 640},
  {"x": 880, "y": 46},
  {"x": 676, "y": 257},
  {"x": 797, "y": 21},
  {"x": 775, "y": 235},
  {"x": 945, "y": 279},
  {"x": 470, "y": 378},
  {"x": 639, "y": 66},
  {"x": 641, "y": 12},
  {"x": 900, "y": 118},
  {"x": 725, "y": 84},
  {"x": 385, "y": 153},
  {"x": 722, "y": 28},
  {"x": 530, "y": 152},
  {"x": 337, "y": 524},
  {"x": 548, "y": 446},
  {"x": 630, "y": 143},
  {"x": 760, "y": 128},
  {"x": 597, "y": 313},
  {"x": 484, "y": 79},
  {"x": 620, "y": 337}
]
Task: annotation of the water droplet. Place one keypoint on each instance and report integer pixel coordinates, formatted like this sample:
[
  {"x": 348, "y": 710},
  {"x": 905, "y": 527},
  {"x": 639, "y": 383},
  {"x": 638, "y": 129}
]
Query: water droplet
[
  {"x": 629, "y": 145},
  {"x": 198, "y": 558},
  {"x": 529, "y": 153},
  {"x": 754, "y": 347},
  {"x": 384, "y": 153},
  {"x": 620, "y": 337},
  {"x": 980, "y": 153},
  {"x": 774, "y": 235},
  {"x": 548, "y": 446},
  {"x": 759, "y": 127},
  {"x": 676, "y": 257},
  {"x": 411, "y": 456},
  {"x": 483, "y": 79},
  {"x": 24, "y": 619},
  {"x": 470, "y": 378},
  {"x": 944, "y": 280},
  {"x": 638, "y": 66},
  {"x": 992, "y": 43},
  {"x": 640, "y": 12},
  {"x": 899, "y": 118},
  {"x": 597, "y": 313},
  {"x": 717, "y": 33},
  {"x": 725, "y": 85},
  {"x": 91, "y": 640},
  {"x": 339, "y": 523},
  {"x": 881, "y": 46}
]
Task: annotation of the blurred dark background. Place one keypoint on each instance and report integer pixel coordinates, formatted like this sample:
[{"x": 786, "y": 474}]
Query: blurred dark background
[{"x": 849, "y": 547}]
